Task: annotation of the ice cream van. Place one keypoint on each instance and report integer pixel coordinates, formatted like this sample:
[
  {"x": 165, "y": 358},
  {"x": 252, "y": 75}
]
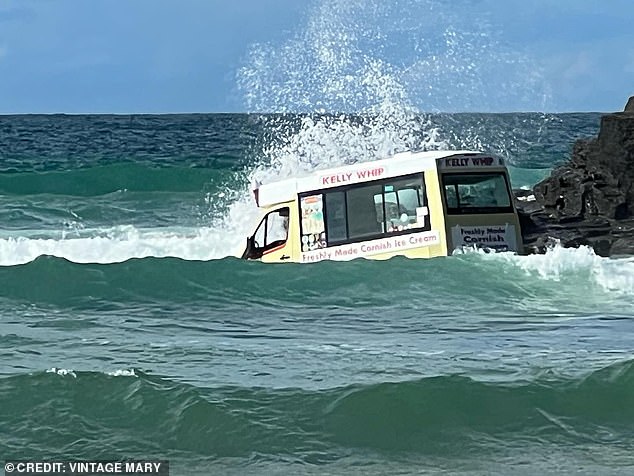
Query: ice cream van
[{"x": 413, "y": 204}]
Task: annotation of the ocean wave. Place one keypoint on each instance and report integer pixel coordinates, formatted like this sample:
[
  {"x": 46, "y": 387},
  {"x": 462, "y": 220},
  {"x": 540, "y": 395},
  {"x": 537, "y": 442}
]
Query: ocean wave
[
  {"x": 560, "y": 264},
  {"x": 118, "y": 244},
  {"x": 573, "y": 279},
  {"x": 443, "y": 415}
]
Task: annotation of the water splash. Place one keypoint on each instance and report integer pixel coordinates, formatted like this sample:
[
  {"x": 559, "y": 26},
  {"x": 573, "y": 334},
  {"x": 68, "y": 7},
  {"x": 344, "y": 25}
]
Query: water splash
[
  {"x": 335, "y": 70},
  {"x": 360, "y": 73},
  {"x": 365, "y": 70},
  {"x": 121, "y": 243},
  {"x": 577, "y": 265},
  {"x": 361, "y": 56}
]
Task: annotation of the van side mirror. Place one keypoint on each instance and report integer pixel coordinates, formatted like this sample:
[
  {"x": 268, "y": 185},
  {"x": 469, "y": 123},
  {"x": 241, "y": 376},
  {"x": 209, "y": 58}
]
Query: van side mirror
[
  {"x": 252, "y": 251},
  {"x": 250, "y": 248}
]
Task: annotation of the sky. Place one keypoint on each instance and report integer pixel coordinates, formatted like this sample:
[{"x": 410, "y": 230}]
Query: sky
[{"x": 165, "y": 56}]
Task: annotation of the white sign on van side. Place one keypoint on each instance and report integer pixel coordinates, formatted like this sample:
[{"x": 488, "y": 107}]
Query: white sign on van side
[
  {"x": 372, "y": 247},
  {"x": 344, "y": 178},
  {"x": 495, "y": 237}
]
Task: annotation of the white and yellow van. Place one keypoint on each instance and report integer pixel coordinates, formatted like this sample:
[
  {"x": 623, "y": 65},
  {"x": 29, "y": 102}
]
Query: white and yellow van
[{"x": 414, "y": 204}]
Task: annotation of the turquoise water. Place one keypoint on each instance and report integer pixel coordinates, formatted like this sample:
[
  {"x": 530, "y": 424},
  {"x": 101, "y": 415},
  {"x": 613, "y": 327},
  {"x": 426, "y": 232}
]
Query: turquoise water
[{"x": 127, "y": 329}]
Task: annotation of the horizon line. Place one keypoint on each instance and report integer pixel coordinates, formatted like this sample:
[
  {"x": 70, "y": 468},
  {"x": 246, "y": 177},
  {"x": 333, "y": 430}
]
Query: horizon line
[{"x": 324, "y": 113}]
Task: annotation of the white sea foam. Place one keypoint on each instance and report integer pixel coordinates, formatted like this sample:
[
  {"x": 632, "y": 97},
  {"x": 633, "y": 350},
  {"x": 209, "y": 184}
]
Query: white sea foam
[
  {"x": 115, "y": 373},
  {"x": 559, "y": 263},
  {"x": 120, "y": 244},
  {"x": 62, "y": 372},
  {"x": 123, "y": 373}
]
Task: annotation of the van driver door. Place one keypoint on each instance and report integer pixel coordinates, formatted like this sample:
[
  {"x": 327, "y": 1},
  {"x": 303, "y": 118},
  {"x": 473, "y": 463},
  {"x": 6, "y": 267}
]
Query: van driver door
[{"x": 270, "y": 238}]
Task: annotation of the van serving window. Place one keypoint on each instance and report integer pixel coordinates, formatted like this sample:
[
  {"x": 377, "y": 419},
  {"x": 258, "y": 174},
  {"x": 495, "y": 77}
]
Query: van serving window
[
  {"x": 473, "y": 193},
  {"x": 364, "y": 211}
]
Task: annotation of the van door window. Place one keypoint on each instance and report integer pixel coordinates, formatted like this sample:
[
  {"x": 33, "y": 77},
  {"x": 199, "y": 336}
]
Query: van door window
[
  {"x": 476, "y": 193},
  {"x": 271, "y": 234}
]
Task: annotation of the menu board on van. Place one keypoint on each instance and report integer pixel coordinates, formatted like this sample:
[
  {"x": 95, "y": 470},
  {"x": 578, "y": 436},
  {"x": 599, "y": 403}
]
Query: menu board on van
[{"x": 313, "y": 229}]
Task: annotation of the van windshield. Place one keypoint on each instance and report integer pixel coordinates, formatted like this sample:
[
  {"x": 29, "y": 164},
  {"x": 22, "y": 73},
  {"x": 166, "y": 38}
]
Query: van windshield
[{"x": 476, "y": 193}]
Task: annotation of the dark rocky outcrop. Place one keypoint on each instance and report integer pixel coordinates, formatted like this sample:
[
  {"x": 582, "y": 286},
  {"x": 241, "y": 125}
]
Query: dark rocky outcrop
[{"x": 589, "y": 200}]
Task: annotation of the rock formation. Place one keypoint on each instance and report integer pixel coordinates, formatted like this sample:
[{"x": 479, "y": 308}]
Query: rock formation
[{"x": 590, "y": 199}]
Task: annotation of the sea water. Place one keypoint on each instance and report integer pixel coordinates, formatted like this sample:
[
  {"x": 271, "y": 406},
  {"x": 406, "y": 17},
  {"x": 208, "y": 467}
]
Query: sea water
[{"x": 127, "y": 330}]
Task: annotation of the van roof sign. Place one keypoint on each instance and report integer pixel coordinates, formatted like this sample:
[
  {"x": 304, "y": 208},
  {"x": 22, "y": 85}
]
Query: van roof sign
[
  {"x": 479, "y": 161},
  {"x": 400, "y": 164}
]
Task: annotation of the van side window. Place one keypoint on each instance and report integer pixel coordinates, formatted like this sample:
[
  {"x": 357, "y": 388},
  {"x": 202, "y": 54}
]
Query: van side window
[
  {"x": 362, "y": 212},
  {"x": 368, "y": 211},
  {"x": 337, "y": 223},
  {"x": 401, "y": 205},
  {"x": 474, "y": 193}
]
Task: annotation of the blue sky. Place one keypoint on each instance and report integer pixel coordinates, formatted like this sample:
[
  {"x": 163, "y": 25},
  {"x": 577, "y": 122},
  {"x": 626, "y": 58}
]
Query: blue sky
[{"x": 109, "y": 56}]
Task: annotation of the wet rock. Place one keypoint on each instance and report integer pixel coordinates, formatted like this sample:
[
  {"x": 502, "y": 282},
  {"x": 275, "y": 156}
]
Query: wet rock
[{"x": 590, "y": 199}]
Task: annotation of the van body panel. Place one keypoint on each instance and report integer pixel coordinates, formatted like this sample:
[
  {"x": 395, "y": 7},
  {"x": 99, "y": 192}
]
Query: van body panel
[
  {"x": 422, "y": 244},
  {"x": 437, "y": 214}
]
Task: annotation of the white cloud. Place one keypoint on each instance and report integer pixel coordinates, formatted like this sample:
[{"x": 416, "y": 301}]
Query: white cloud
[{"x": 582, "y": 65}]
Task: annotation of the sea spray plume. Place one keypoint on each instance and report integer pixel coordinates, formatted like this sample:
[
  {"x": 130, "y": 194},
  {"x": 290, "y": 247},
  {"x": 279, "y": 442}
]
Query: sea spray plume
[
  {"x": 324, "y": 68},
  {"x": 453, "y": 59},
  {"x": 359, "y": 73},
  {"x": 385, "y": 63},
  {"x": 447, "y": 56},
  {"x": 315, "y": 70},
  {"x": 322, "y": 141},
  {"x": 331, "y": 66}
]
